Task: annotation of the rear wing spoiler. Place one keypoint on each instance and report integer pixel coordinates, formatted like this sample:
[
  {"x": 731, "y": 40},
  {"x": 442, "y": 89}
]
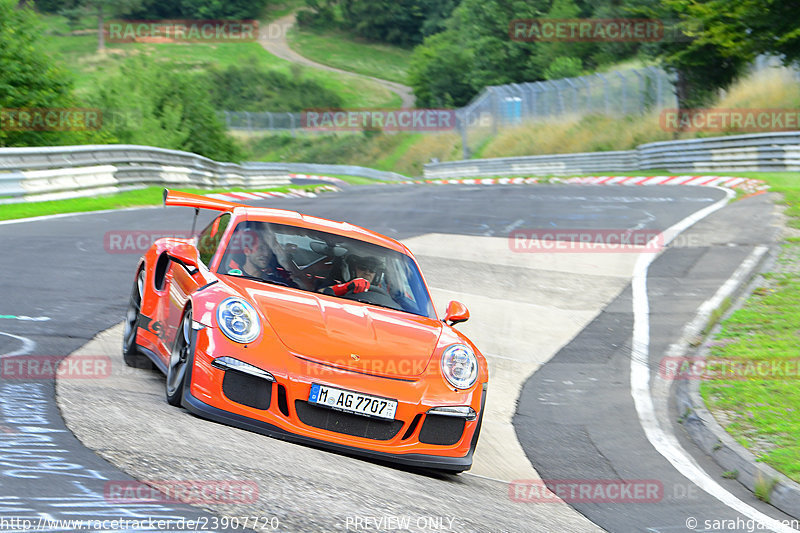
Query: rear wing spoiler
[{"x": 185, "y": 199}]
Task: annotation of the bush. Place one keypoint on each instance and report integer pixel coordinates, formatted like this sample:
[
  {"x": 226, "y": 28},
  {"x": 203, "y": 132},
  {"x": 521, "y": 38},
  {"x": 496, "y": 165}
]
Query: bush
[
  {"x": 158, "y": 104},
  {"x": 438, "y": 72},
  {"x": 199, "y": 9},
  {"x": 251, "y": 88},
  {"x": 564, "y": 67},
  {"x": 30, "y": 79}
]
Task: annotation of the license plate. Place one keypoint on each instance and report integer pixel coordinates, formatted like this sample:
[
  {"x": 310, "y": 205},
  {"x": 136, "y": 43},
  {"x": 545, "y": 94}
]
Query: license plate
[{"x": 352, "y": 402}]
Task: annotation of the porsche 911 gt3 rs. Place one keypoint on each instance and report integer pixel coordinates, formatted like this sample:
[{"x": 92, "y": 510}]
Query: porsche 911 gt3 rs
[{"x": 309, "y": 330}]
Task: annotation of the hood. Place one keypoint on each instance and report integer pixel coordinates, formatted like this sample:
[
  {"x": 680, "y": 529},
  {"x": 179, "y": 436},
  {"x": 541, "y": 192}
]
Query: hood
[{"x": 345, "y": 334}]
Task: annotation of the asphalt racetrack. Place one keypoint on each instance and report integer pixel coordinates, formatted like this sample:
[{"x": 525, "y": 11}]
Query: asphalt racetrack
[{"x": 556, "y": 327}]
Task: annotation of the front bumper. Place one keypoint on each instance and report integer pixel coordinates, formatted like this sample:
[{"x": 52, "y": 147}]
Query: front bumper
[
  {"x": 418, "y": 460},
  {"x": 282, "y": 411}
]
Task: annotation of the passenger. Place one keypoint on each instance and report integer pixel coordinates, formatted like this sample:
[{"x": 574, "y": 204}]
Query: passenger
[{"x": 365, "y": 270}]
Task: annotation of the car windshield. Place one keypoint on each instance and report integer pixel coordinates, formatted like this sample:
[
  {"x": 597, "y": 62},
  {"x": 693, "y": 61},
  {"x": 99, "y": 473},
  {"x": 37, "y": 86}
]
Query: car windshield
[{"x": 326, "y": 263}]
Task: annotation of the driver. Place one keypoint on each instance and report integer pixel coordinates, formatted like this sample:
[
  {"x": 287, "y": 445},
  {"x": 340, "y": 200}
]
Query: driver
[
  {"x": 365, "y": 269},
  {"x": 260, "y": 260}
]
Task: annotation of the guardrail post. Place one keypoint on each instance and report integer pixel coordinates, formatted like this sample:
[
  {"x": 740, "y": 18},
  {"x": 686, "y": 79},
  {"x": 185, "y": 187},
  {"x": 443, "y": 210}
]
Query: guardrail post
[
  {"x": 495, "y": 108},
  {"x": 588, "y": 85},
  {"x": 463, "y": 124},
  {"x": 574, "y": 88},
  {"x": 641, "y": 90},
  {"x": 606, "y": 101},
  {"x": 624, "y": 91}
]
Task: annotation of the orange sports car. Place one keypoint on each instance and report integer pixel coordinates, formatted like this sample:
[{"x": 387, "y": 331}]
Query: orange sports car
[{"x": 308, "y": 330}]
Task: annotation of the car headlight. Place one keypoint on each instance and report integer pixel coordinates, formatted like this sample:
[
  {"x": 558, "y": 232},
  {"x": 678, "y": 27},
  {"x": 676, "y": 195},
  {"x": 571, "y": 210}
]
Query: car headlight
[
  {"x": 238, "y": 320},
  {"x": 460, "y": 366}
]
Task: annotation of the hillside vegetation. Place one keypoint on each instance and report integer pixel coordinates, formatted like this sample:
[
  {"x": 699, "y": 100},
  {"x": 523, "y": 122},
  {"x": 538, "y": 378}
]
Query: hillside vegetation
[{"x": 407, "y": 153}]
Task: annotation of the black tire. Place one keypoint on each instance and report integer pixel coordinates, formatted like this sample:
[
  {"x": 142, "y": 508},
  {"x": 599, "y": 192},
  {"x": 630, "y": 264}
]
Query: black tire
[
  {"x": 179, "y": 360},
  {"x": 130, "y": 352}
]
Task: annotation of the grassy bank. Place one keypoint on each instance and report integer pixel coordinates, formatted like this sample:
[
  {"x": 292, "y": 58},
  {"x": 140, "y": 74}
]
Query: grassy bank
[
  {"x": 340, "y": 50},
  {"x": 406, "y": 153},
  {"x": 77, "y": 48},
  {"x": 760, "y": 409},
  {"x": 135, "y": 198}
]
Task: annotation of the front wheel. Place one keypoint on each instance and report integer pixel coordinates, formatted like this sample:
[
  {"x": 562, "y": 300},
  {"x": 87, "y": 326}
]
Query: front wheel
[
  {"x": 130, "y": 352},
  {"x": 179, "y": 360}
]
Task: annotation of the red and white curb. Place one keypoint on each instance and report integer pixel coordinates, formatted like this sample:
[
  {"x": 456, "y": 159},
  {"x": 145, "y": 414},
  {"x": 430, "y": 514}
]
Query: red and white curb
[
  {"x": 250, "y": 196},
  {"x": 315, "y": 177},
  {"x": 747, "y": 185},
  {"x": 730, "y": 182},
  {"x": 473, "y": 181}
]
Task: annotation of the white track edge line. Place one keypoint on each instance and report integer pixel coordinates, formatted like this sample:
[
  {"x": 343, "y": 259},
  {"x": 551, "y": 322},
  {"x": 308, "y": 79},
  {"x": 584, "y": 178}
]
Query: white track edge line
[{"x": 664, "y": 442}]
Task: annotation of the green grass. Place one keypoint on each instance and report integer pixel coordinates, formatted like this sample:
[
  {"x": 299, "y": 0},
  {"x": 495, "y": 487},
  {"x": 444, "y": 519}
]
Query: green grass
[
  {"x": 730, "y": 474},
  {"x": 763, "y": 488},
  {"x": 390, "y": 161},
  {"x": 786, "y": 183},
  {"x": 762, "y": 414},
  {"x": 356, "y": 180},
  {"x": 78, "y": 53},
  {"x": 340, "y": 50},
  {"x": 135, "y": 198},
  {"x": 338, "y": 148},
  {"x": 277, "y": 10}
]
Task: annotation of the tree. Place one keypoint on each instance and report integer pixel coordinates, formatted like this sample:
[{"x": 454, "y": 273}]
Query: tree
[
  {"x": 102, "y": 9},
  {"x": 159, "y": 104},
  {"x": 702, "y": 64},
  {"x": 437, "y": 72},
  {"x": 251, "y": 87},
  {"x": 749, "y": 27},
  {"x": 30, "y": 79},
  {"x": 200, "y": 9},
  {"x": 475, "y": 51},
  {"x": 563, "y": 67},
  {"x": 399, "y": 22}
]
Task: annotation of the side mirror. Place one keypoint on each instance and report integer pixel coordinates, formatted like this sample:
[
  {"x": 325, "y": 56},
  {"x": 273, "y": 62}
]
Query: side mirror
[
  {"x": 456, "y": 312},
  {"x": 186, "y": 255}
]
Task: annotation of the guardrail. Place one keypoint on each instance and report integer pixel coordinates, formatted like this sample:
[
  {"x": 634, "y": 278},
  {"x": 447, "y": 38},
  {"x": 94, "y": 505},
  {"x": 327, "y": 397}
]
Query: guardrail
[
  {"x": 46, "y": 173},
  {"x": 760, "y": 152},
  {"x": 735, "y": 153},
  {"x": 582, "y": 163},
  {"x": 342, "y": 170}
]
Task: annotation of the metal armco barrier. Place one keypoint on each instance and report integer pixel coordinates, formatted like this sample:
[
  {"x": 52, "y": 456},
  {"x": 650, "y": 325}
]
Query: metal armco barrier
[
  {"x": 758, "y": 152},
  {"x": 343, "y": 170},
  {"x": 46, "y": 173},
  {"x": 43, "y": 173}
]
